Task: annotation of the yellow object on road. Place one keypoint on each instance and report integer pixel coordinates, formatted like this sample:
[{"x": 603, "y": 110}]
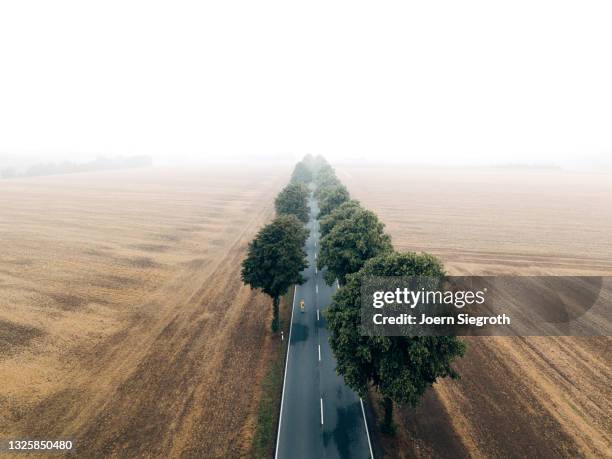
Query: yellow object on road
[{"x": 302, "y": 305}]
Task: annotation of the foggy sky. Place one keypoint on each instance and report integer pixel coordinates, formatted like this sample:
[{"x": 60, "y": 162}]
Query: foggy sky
[{"x": 472, "y": 82}]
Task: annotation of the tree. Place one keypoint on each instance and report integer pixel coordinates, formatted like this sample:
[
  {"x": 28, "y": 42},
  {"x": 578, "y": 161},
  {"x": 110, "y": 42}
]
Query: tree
[
  {"x": 293, "y": 200},
  {"x": 302, "y": 173},
  {"x": 275, "y": 259},
  {"x": 318, "y": 163},
  {"x": 401, "y": 368},
  {"x": 325, "y": 176},
  {"x": 332, "y": 198},
  {"x": 324, "y": 182},
  {"x": 331, "y": 186},
  {"x": 310, "y": 161},
  {"x": 350, "y": 243},
  {"x": 345, "y": 211}
]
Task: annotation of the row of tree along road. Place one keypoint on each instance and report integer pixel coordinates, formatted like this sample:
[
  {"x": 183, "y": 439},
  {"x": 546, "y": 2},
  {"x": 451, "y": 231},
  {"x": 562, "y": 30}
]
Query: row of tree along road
[{"x": 353, "y": 245}]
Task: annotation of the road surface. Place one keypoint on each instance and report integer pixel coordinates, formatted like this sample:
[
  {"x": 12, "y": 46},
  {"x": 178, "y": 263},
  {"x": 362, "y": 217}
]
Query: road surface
[{"x": 320, "y": 416}]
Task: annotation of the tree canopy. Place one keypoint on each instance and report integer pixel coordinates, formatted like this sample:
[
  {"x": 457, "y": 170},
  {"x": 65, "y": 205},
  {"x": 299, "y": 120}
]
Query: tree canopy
[
  {"x": 325, "y": 178},
  {"x": 350, "y": 243},
  {"x": 341, "y": 213},
  {"x": 331, "y": 198},
  {"x": 293, "y": 200},
  {"x": 275, "y": 259},
  {"x": 302, "y": 173},
  {"x": 401, "y": 368}
]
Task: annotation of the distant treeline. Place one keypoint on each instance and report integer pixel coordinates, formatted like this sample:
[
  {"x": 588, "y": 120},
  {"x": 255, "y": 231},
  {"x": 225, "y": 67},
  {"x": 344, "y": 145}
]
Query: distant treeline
[{"x": 70, "y": 167}]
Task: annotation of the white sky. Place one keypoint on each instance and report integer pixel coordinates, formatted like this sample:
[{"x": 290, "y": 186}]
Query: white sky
[{"x": 427, "y": 81}]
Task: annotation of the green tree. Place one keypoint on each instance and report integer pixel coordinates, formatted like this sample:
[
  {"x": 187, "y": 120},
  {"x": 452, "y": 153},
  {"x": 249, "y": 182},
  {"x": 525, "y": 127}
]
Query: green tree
[
  {"x": 350, "y": 243},
  {"x": 331, "y": 198},
  {"x": 344, "y": 212},
  {"x": 329, "y": 188},
  {"x": 310, "y": 161},
  {"x": 275, "y": 259},
  {"x": 401, "y": 368},
  {"x": 318, "y": 163},
  {"x": 293, "y": 200},
  {"x": 325, "y": 176},
  {"x": 325, "y": 182},
  {"x": 302, "y": 173}
]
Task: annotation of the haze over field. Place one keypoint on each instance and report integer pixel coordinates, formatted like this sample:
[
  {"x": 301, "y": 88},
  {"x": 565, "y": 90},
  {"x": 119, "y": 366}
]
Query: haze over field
[{"x": 494, "y": 221}]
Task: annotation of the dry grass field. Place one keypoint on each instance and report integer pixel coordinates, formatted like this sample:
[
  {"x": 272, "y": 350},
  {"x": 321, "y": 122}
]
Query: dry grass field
[
  {"x": 123, "y": 321},
  {"x": 528, "y": 397}
]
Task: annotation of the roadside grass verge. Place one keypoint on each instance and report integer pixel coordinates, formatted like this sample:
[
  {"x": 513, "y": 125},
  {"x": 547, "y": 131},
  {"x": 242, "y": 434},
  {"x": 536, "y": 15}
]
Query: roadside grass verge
[{"x": 264, "y": 439}]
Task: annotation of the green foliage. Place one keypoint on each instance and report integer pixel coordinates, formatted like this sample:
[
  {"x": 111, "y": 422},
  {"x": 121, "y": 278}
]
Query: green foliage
[
  {"x": 293, "y": 200},
  {"x": 401, "y": 368},
  {"x": 302, "y": 173},
  {"x": 344, "y": 212},
  {"x": 318, "y": 163},
  {"x": 326, "y": 182},
  {"x": 325, "y": 192},
  {"x": 323, "y": 168},
  {"x": 276, "y": 258},
  {"x": 311, "y": 162},
  {"x": 350, "y": 243},
  {"x": 325, "y": 177},
  {"x": 332, "y": 198}
]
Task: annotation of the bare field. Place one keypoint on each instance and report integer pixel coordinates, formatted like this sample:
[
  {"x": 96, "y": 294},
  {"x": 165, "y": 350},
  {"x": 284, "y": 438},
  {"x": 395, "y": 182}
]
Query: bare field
[
  {"x": 535, "y": 397},
  {"x": 123, "y": 321}
]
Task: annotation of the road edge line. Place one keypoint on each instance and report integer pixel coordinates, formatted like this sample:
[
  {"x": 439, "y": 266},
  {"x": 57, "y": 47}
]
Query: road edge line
[
  {"x": 366, "y": 426},
  {"x": 280, "y": 416}
]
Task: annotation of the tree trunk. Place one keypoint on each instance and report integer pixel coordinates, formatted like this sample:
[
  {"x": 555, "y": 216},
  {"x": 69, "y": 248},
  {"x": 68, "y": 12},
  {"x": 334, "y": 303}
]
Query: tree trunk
[
  {"x": 275, "y": 303},
  {"x": 387, "y": 424}
]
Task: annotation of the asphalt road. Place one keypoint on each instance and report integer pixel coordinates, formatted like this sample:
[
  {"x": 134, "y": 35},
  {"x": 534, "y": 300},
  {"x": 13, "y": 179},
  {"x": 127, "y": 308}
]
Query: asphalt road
[{"x": 320, "y": 416}]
